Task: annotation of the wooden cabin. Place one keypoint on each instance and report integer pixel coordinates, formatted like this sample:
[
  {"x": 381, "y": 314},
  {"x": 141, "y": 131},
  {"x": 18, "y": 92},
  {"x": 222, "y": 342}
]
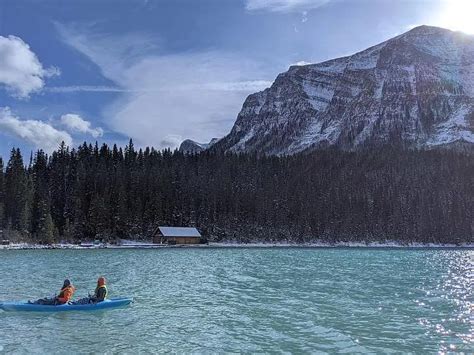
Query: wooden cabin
[{"x": 177, "y": 235}]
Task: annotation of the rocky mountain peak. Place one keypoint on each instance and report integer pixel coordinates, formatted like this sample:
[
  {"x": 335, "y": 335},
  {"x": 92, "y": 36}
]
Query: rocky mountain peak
[{"x": 415, "y": 90}]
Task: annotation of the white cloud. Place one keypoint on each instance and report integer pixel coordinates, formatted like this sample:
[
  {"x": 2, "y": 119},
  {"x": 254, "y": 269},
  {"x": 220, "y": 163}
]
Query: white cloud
[
  {"x": 168, "y": 97},
  {"x": 285, "y": 5},
  {"x": 76, "y": 123},
  {"x": 246, "y": 86},
  {"x": 84, "y": 88},
  {"x": 300, "y": 63},
  {"x": 224, "y": 86},
  {"x": 20, "y": 70},
  {"x": 171, "y": 140},
  {"x": 304, "y": 17},
  {"x": 37, "y": 133},
  {"x": 113, "y": 54}
]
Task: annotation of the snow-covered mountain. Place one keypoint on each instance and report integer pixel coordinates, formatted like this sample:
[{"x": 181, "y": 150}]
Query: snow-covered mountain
[
  {"x": 416, "y": 89},
  {"x": 191, "y": 147}
]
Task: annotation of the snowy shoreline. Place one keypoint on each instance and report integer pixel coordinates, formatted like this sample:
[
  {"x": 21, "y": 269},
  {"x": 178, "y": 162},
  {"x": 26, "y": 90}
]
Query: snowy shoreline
[{"x": 142, "y": 245}]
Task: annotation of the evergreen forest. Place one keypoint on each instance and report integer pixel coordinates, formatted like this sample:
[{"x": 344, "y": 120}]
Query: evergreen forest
[{"x": 108, "y": 193}]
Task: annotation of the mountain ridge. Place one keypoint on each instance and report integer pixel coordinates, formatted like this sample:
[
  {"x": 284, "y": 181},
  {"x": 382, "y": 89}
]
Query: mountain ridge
[
  {"x": 414, "y": 90},
  {"x": 189, "y": 146}
]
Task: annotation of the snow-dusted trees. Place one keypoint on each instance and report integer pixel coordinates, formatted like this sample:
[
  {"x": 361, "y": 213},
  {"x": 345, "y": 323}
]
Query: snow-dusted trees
[{"x": 107, "y": 193}]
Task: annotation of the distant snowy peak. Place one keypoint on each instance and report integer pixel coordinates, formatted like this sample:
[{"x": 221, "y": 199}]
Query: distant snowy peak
[
  {"x": 191, "y": 147},
  {"x": 416, "y": 90}
]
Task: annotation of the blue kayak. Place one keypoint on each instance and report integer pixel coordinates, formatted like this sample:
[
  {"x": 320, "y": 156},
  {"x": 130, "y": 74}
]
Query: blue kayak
[{"x": 27, "y": 307}]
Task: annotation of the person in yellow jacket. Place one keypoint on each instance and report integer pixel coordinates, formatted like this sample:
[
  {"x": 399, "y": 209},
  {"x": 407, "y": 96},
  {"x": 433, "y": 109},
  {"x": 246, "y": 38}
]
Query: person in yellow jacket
[{"x": 100, "y": 293}]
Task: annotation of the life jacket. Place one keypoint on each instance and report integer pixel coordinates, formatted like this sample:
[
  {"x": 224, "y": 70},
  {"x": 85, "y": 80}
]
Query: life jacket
[
  {"x": 98, "y": 288},
  {"x": 66, "y": 293}
]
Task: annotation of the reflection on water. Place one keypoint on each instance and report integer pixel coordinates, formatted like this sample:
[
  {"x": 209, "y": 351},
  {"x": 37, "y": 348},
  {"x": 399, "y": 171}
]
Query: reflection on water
[
  {"x": 247, "y": 300},
  {"x": 454, "y": 290}
]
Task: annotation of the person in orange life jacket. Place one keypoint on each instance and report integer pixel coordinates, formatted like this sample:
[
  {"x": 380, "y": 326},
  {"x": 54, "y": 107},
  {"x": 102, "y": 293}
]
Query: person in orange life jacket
[
  {"x": 64, "y": 296},
  {"x": 66, "y": 292}
]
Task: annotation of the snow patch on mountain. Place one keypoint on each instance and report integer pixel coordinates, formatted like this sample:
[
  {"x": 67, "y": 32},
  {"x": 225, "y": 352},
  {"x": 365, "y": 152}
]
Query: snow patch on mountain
[{"x": 455, "y": 129}]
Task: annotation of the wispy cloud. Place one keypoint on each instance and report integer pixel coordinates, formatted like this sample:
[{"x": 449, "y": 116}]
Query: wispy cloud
[
  {"x": 246, "y": 86},
  {"x": 285, "y": 5},
  {"x": 20, "y": 70},
  {"x": 37, "y": 133},
  {"x": 84, "y": 88},
  {"x": 167, "y": 97},
  {"x": 76, "y": 123},
  {"x": 112, "y": 53},
  {"x": 220, "y": 86}
]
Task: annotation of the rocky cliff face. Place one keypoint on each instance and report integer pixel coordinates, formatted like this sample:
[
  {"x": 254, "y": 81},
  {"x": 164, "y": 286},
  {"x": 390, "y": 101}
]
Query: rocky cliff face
[{"x": 416, "y": 90}]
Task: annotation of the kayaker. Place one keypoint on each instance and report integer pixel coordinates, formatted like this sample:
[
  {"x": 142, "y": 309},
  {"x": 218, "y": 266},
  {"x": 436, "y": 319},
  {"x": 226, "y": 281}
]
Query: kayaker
[
  {"x": 100, "y": 292},
  {"x": 66, "y": 292},
  {"x": 64, "y": 296}
]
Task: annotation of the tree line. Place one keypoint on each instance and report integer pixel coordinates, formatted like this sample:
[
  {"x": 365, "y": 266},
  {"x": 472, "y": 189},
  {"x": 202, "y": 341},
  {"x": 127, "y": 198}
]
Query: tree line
[{"x": 110, "y": 193}]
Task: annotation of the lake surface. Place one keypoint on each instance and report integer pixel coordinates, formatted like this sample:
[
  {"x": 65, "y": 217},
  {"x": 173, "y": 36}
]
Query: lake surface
[{"x": 246, "y": 300}]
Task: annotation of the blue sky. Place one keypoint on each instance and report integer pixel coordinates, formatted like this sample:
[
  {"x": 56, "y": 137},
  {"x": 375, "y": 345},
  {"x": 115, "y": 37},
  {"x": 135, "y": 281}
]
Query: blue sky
[{"x": 165, "y": 70}]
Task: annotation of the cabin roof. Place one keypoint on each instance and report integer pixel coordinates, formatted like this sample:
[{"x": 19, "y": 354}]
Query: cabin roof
[{"x": 179, "y": 232}]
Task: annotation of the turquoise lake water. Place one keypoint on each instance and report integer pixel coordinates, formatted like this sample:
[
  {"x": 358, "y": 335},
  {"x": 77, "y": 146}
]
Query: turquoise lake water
[{"x": 246, "y": 300}]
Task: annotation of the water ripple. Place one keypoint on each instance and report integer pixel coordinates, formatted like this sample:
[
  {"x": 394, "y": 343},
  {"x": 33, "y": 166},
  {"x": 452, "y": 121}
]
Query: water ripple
[{"x": 248, "y": 301}]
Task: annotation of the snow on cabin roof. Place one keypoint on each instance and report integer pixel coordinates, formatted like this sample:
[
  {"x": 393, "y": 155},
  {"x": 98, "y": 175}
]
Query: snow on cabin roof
[{"x": 179, "y": 232}]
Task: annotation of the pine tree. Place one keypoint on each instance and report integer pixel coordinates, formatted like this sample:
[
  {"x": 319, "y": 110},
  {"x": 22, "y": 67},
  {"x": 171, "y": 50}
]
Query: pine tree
[
  {"x": 60, "y": 185},
  {"x": 16, "y": 192},
  {"x": 41, "y": 221},
  {"x": 2, "y": 196}
]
